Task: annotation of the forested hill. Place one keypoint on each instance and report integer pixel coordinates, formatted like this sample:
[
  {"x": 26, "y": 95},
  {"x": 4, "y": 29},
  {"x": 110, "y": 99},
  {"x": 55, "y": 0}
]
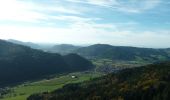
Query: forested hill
[
  {"x": 63, "y": 48},
  {"x": 124, "y": 53},
  {"x": 150, "y": 82},
  {"x": 105, "y": 51},
  {"x": 29, "y": 44},
  {"x": 20, "y": 63}
]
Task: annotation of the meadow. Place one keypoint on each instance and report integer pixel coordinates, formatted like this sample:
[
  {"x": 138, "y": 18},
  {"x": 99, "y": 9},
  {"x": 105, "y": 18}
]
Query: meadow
[{"x": 21, "y": 92}]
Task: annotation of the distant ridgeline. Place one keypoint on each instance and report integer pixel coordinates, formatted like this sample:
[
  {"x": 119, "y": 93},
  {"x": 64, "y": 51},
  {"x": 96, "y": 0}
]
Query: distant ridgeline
[
  {"x": 20, "y": 63},
  {"x": 104, "y": 51},
  {"x": 124, "y": 53},
  {"x": 151, "y": 82},
  {"x": 63, "y": 48}
]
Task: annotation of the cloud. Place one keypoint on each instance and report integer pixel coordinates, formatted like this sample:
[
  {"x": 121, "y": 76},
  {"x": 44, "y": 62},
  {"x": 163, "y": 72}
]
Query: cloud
[
  {"x": 103, "y": 2},
  {"x": 138, "y": 6},
  {"x": 79, "y": 24},
  {"x": 73, "y": 19},
  {"x": 106, "y": 3},
  {"x": 24, "y": 11},
  {"x": 62, "y": 10},
  {"x": 55, "y": 7},
  {"x": 89, "y": 33},
  {"x": 14, "y": 10},
  {"x": 128, "y": 6}
]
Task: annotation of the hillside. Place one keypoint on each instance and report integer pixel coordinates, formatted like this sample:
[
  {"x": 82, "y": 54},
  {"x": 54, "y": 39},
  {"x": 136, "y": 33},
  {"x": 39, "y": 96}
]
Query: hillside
[
  {"x": 105, "y": 51},
  {"x": 151, "y": 82},
  {"x": 29, "y": 44},
  {"x": 20, "y": 63},
  {"x": 123, "y": 53},
  {"x": 63, "y": 48}
]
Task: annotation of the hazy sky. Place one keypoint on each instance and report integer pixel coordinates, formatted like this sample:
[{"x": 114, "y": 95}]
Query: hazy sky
[{"x": 117, "y": 22}]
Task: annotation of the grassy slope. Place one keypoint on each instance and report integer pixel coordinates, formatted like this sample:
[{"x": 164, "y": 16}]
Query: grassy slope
[{"x": 21, "y": 92}]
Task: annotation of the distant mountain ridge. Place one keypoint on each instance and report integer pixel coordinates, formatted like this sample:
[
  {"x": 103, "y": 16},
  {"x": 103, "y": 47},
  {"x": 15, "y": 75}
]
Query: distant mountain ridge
[
  {"x": 106, "y": 51},
  {"x": 29, "y": 44},
  {"x": 63, "y": 48},
  {"x": 21, "y": 63},
  {"x": 123, "y": 53},
  {"x": 52, "y": 48}
]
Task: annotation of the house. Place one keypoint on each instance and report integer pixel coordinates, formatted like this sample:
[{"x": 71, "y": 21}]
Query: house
[{"x": 73, "y": 76}]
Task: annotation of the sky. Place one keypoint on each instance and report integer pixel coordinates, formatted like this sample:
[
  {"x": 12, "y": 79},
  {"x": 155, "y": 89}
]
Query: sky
[{"x": 141, "y": 23}]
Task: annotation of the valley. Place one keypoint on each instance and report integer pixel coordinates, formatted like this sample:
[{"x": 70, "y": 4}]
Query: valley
[
  {"x": 34, "y": 73},
  {"x": 84, "y": 49},
  {"x": 22, "y": 91},
  {"x": 150, "y": 82}
]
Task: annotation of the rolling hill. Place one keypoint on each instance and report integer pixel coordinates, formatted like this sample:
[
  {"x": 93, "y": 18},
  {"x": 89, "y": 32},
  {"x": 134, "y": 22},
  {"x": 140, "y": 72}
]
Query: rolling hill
[
  {"x": 123, "y": 53},
  {"x": 63, "y": 48},
  {"x": 21, "y": 63},
  {"x": 151, "y": 82},
  {"x": 29, "y": 44},
  {"x": 105, "y": 51}
]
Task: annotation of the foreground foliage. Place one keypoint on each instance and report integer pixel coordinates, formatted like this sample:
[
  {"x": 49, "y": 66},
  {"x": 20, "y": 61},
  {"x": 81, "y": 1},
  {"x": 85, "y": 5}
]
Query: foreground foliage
[{"x": 150, "y": 82}]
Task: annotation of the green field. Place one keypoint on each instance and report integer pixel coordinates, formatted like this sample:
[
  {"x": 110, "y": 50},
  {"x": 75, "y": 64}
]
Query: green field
[{"x": 21, "y": 92}]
